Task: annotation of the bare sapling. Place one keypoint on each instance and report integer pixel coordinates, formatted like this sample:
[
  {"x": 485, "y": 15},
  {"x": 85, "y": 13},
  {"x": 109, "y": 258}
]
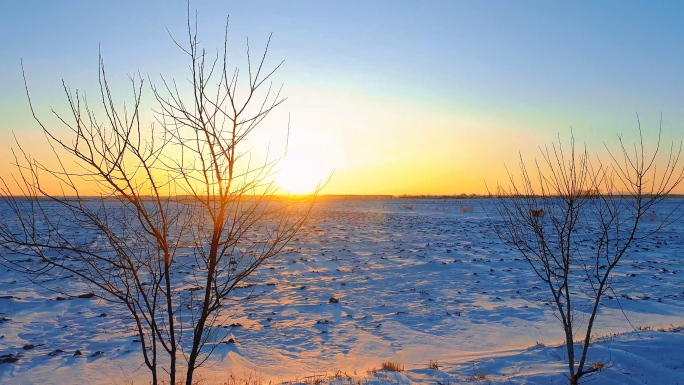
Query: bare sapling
[
  {"x": 177, "y": 215},
  {"x": 573, "y": 218}
]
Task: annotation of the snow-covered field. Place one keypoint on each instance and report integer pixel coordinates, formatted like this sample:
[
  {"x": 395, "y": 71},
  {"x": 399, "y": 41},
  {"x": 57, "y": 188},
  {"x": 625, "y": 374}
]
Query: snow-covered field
[{"x": 417, "y": 281}]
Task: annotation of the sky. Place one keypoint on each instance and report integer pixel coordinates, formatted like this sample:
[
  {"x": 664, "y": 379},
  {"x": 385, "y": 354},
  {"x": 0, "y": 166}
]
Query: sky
[{"x": 384, "y": 97}]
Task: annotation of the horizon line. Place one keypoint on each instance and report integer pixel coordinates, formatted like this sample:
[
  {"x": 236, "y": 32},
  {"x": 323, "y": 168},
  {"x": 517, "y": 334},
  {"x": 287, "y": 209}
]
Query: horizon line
[{"x": 398, "y": 196}]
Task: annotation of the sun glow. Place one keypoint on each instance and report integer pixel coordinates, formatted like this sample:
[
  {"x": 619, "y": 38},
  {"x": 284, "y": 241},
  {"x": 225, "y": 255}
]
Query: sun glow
[{"x": 302, "y": 173}]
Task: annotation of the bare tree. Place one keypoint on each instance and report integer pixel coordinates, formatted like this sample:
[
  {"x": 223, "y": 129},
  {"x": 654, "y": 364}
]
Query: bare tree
[
  {"x": 573, "y": 219},
  {"x": 181, "y": 216}
]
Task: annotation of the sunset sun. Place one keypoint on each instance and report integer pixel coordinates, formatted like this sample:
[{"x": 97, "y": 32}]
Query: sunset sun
[{"x": 301, "y": 173}]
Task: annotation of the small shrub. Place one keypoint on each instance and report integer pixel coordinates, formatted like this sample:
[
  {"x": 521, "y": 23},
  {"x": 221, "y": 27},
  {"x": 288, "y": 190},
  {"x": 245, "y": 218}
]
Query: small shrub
[{"x": 433, "y": 365}]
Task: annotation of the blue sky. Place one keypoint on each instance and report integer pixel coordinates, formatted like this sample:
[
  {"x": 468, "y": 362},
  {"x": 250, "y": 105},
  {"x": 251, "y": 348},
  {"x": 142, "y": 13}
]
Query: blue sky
[{"x": 436, "y": 88}]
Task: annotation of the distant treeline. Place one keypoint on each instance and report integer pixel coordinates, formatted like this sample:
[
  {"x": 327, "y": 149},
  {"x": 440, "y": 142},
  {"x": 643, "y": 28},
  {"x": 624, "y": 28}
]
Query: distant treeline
[
  {"x": 481, "y": 196},
  {"x": 354, "y": 196},
  {"x": 455, "y": 196}
]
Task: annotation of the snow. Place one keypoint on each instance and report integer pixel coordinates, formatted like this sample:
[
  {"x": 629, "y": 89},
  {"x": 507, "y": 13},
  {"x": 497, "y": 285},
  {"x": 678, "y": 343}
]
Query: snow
[{"x": 416, "y": 279}]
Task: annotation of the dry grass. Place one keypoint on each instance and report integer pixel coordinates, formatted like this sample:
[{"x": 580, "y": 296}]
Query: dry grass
[
  {"x": 477, "y": 377},
  {"x": 318, "y": 379},
  {"x": 232, "y": 380},
  {"x": 340, "y": 375},
  {"x": 664, "y": 329},
  {"x": 256, "y": 380},
  {"x": 392, "y": 366},
  {"x": 388, "y": 366},
  {"x": 433, "y": 365},
  {"x": 538, "y": 213},
  {"x": 671, "y": 328},
  {"x": 598, "y": 367}
]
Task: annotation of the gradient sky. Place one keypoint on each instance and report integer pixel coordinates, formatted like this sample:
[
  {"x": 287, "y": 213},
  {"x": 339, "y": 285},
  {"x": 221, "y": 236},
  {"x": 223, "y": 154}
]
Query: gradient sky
[{"x": 401, "y": 97}]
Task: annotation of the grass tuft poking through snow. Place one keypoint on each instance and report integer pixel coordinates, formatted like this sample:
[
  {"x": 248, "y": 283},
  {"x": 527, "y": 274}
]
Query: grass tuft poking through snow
[
  {"x": 477, "y": 377},
  {"x": 392, "y": 366}
]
